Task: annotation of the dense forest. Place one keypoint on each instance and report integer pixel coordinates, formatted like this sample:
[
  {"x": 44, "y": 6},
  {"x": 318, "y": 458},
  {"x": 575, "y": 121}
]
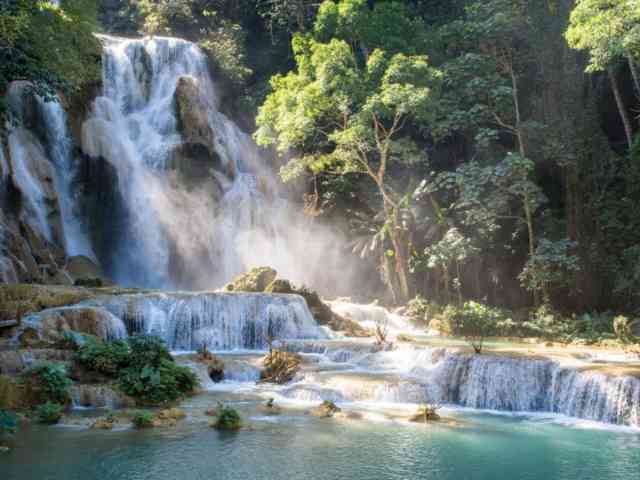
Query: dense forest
[{"x": 471, "y": 150}]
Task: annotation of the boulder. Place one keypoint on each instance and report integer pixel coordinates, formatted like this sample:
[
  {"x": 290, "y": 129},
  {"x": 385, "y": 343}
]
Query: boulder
[
  {"x": 326, "y": 409},
  {"x": 85, "y": 272},
  {"x": 48, "y": 326},
  {"x": 196, "y": 157},
  {"x": 19, "y": 300},
  {"x": 255, "y": 280}
]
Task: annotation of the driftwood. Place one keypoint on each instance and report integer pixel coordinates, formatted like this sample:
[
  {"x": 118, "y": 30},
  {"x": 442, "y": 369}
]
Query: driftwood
[{"x": 280, "y": 367}]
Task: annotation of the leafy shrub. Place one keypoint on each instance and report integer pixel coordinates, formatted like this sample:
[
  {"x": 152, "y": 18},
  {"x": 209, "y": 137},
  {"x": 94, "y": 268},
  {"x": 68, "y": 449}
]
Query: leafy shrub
[
  {"x": 477, "y": 321},
  {"x": 104, "y": 357},
  {"x": 8, "y": 422},
  {"x": 228, "y": 418},
  {"x": 50, "y": 380},
  {"x": 147, "y": 350},
  {"x": 154, "y": 385},
  {"x": 49, "y": 412},
  {"x": 421, "y": 311},
  {"x": 143, "y": 366},
  {"x": 143, "y": 419}
]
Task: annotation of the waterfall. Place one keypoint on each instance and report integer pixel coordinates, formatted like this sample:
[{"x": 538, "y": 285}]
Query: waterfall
[
  {"x": 43, "y": 168},
  {"x": 488, "y": 382},
  {"x": 200, "y": 204},
  {"x": 187, "y": 321}
]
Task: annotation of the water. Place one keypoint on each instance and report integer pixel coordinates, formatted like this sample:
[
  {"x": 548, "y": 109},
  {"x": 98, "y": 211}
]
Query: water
[
  {"x": 221, "y": 321},
  {"x": 44, "y": 169},
  {"x": 298, "y": 446},
  {"x": 195, "y": 220}
]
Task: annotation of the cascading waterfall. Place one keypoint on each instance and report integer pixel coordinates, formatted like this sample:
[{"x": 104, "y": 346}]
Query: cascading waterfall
[
  {"x": 448, "y": 376},
  {"x": 187, "y": 321},
  {"x": 200, "y": 204},
  {"x": 43, "y": 168}
]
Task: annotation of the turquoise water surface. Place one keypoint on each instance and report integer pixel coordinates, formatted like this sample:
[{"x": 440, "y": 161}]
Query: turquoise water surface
[{"x": 297, "y": 446}]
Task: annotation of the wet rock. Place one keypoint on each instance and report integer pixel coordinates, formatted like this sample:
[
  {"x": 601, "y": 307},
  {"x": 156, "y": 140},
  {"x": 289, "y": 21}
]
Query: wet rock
[
  {"x": 255, "y": 280},
  {"x": 104, "y": 423},
  {"x": 12, "y": 394},
  {"x": 48, "y": 326},
  {"x": 270, "y": 408},
  {"x": 168, "y": 417},
  {"x": 99, "y": 396},
  {"x": 426, "y": 413},
  {"x": 18, "y": 300},
  {"x": 85, "y": 272},
  {"x": 326, "y": 409}
]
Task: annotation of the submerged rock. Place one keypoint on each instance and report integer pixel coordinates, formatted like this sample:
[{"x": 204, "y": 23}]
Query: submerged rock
[
  {"x": 168, "y": 417},
  {"x": 326, "y": 409},
  {"x": 270, "y": 408},
  {"x": 104, "y": 423},
  {"x": 426, "y": 413}
]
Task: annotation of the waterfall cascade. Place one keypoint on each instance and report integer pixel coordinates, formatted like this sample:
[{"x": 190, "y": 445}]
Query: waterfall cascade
[
  {"x": 449, "y": 376},
  {"x": 200, "y": 204},
  {"x": 43, "y": 169},
  {"x": 221, "y": 321}
]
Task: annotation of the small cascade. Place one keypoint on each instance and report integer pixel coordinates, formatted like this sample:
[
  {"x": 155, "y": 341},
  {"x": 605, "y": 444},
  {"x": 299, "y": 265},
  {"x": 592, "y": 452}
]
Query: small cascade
[
  {"x": 368, "y": 316},
  {"x": 449, "y": 376},
  {"x": 97, "y": 396},
  {"x": 221, "y": 321}
]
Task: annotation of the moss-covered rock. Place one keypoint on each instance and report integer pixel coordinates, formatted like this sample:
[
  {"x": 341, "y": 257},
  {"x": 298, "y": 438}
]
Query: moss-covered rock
[
  {"x": 18, "y": 300},
  {"x": 12, "y": 394},
  {"x": 48, "y": 327},
  {"x": 255, "y": 280},
  {"x": 85, "y": 272}
]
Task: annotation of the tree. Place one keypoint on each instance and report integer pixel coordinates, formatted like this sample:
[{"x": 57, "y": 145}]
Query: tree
[
  {"x": 550, "y": 265},
  {"x": 478, "y": 322},
  {"x": 608, "y": 30},
  {"x": 347, "y": 107},
  {"x": 290, "y": 15},
  {"x": 52, "y": 47}
]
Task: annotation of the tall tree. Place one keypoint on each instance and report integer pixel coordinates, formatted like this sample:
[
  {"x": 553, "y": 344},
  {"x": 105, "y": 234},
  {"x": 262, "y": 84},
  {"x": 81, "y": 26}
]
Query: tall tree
[
  {"x": 608, "y": 30},
  {"x": 347, "y": 107}
]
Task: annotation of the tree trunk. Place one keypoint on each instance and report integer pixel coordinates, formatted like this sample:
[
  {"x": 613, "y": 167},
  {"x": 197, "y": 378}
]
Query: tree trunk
[
  {"x": 634, "y": 74},
  {"x": 400, "y": 244},
  {"x": 623, "y": 112}
]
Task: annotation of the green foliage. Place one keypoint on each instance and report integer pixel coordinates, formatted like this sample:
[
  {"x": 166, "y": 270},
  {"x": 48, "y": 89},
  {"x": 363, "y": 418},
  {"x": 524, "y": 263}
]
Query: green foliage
[
  {"x": 49, "y": 412},
  {"x": 51, "y": 379},
  {"x": 607, "y": 29},
  {"x": 200, "y": 20},
  {"x": 477, "y": 321},
  {"x": 147, "y": 350},
  {"x": 8, "y": 423},
  {"x": 106, "y": 358},
  {"x": 52, "y": 47},
  {"x": 551, "y": 265},
  {"x": 163, "y": 383},
  {"x": 227, "y": 418},
  {"x": 143, "y": 419},
  {"x": 143, "y": 366}
]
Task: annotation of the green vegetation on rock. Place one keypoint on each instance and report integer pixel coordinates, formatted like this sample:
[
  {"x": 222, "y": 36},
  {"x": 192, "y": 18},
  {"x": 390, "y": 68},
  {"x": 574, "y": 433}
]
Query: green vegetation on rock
[
  {"x": 49, "y": 413},
  {"x": 143, "y": 367},
  {"x": 227, "y": 418}
]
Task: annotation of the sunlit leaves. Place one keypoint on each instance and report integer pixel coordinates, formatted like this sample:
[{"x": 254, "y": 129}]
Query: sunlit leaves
[{"x": 607, "y": 29}]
